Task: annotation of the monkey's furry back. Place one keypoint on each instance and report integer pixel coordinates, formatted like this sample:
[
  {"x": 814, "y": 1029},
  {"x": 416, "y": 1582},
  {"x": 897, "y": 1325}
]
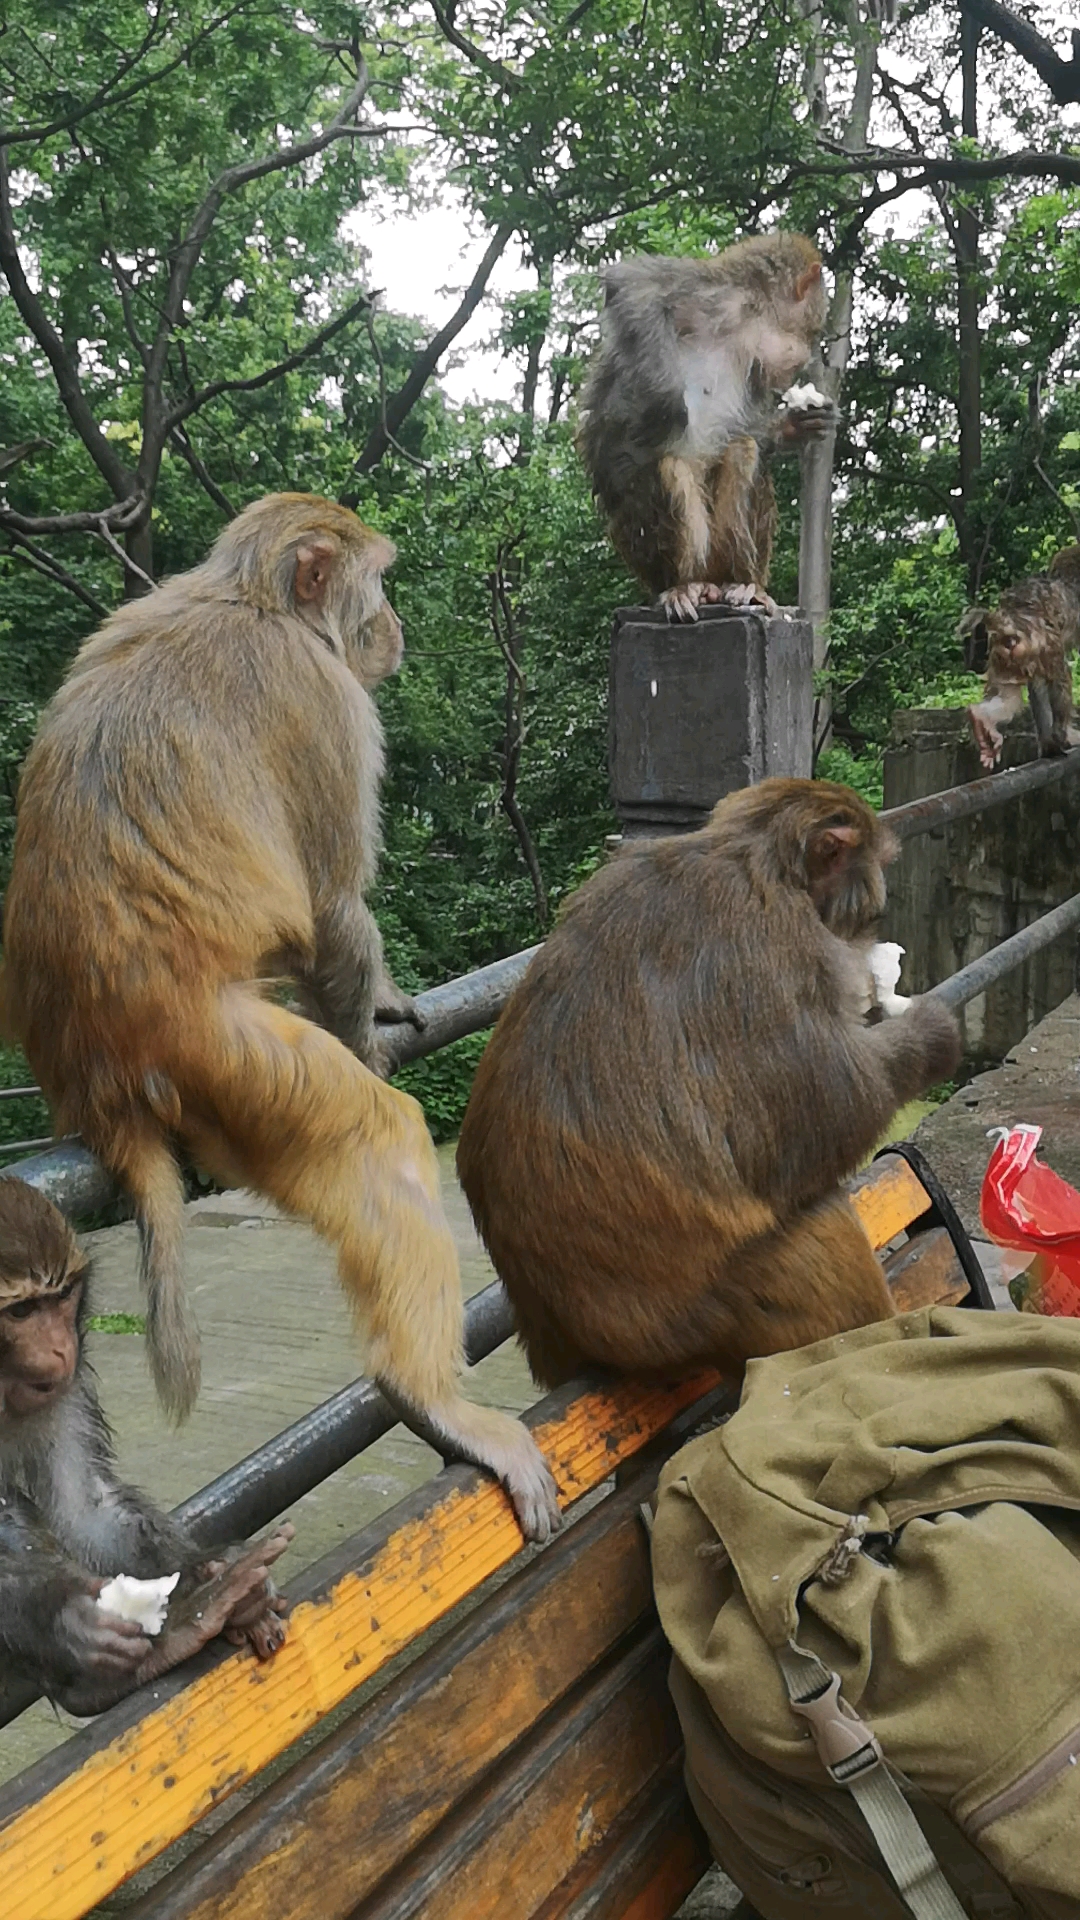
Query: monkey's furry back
[{"x": 161, "y": 811}]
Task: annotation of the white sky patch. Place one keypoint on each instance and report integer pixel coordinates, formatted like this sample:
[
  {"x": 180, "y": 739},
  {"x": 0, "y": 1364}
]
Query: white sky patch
[{"x": 422, "y": 261}]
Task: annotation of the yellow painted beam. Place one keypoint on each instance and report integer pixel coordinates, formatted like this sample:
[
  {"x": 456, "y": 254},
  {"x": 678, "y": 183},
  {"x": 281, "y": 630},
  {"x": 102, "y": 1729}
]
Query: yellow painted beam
[
  {"x": 887, "y": 1198},
  {"x": 148, "y": 1785}
]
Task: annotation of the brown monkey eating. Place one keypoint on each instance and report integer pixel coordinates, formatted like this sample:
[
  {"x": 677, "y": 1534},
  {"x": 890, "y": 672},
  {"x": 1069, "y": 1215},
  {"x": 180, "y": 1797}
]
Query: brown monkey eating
[
  {"x": 1028, "y": 640},
  {"x": 66, "y": 1519},
  {"x": 198, "y": 816},
  {"x": 658, "y": 1127},
  {"x": 679, "y": 418}
]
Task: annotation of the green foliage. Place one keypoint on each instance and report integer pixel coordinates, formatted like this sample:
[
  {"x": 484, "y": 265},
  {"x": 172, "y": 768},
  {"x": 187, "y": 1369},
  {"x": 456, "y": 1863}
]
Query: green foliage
[
  {"x": 116, "y": 1323},
  {"x": 26, "y": 1118},
  {"x": 598, "y": 130},
  {"x": 441, "y": 1083}
]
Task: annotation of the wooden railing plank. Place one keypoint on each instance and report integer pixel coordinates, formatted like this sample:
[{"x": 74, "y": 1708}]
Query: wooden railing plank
[
  {"x": 401, "y": 1763},
  {"x": 887, "y": 1197},
  {"x": 128, "y": 1789},
  {"x": 646, "y": 1866},
  {"x": 546, "y": 1809}
]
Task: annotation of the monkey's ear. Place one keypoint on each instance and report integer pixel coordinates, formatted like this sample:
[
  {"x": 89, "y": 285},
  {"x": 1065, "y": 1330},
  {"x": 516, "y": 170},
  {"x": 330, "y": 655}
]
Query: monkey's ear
[
  {"x": 828, "y": 851},
  {"x": 314, "y": 571},
  {"x": 807, "y": 280}
]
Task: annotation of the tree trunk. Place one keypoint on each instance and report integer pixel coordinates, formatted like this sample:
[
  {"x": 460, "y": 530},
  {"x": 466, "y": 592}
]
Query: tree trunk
[
  {"x": 139, "y": 547},
  {"x": 966, "y": 248}
]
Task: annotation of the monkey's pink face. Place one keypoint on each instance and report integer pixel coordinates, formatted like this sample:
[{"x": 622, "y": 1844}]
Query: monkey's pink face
[
  {"x": 382, "y": 647},
  {"x": 781, "y": 352}
]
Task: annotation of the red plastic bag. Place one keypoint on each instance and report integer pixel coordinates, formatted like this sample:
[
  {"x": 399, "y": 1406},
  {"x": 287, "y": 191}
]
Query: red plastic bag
[{"x": 1028, "y": 1207}]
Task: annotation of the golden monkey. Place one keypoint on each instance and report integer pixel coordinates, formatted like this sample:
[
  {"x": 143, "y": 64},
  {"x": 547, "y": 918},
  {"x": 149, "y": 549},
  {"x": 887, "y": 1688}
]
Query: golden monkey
[{"x": 199, "y": 815}]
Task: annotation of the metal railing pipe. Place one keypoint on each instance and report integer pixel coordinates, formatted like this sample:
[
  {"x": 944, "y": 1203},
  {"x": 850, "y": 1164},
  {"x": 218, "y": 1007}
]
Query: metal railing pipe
[
  {"x": 253, "y": 1492},
  {"x": 973, "y": 980},
  {"x": 976, "y": 796}
]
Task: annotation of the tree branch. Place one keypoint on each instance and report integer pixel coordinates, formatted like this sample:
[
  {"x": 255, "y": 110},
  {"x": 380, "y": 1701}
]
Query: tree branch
[
  {"x": 157, "y": 420},
  {"x": 20, "y": 548},
  {"x": 503, "y": 76},
  {"x": 504, "y": 628},
  {"x": 129, "y": 565},
  {"x": 404, "y": 400},
  {"x": 120, "y": 480},
  {"x": 1062, "y": 77},
  {"x": 310, "y": 347},
  {"x": 106, "y": 95},
  {"x": 1024, "y": 165},
  {"x": 121, "y": 518},
  {"x": 178, "y": 439}
]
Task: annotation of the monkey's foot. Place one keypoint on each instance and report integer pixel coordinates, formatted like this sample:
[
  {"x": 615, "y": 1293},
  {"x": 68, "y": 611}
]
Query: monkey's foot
[
  {"x": 682, "y": 603},
  {"x": 748, "y": 596}
]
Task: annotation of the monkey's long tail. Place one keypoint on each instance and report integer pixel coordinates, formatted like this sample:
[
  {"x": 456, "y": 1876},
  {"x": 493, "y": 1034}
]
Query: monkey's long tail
[
  {"x": 304, "y": 1122},
  {"x": 148, "y": 1169}
]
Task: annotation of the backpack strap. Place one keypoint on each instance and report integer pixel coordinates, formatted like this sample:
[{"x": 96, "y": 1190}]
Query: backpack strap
[
  {"x": 850, "y": 1753},
  {"x": 942, "y": 1213}
]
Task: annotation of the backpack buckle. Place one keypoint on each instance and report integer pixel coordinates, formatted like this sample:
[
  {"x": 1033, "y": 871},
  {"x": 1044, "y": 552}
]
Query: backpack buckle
[{"x": 846, "y": 1746}]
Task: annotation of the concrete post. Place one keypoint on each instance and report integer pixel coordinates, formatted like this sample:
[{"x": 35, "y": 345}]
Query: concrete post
[
  {"x": 958, "y": 892},
  {"x": 697, "y": 711}
]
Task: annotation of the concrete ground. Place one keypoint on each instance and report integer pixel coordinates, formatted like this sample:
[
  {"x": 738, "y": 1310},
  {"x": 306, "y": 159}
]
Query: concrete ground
[{"x": 1038, "y": 1081}]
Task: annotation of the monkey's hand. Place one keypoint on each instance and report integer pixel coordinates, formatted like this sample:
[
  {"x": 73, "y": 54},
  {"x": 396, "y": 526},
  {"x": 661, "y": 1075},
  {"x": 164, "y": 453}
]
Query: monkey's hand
[
  {"x": 396, "y": 1012},
  {"x": 988, "y": 739},
  {"x": 236, "y": 1598},
  {"x": 105, "y": 1651},
  {"x": 795, "y": 426}
]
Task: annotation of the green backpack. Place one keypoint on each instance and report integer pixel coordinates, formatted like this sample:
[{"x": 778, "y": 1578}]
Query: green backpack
[{"x": 870, "y": 1578}]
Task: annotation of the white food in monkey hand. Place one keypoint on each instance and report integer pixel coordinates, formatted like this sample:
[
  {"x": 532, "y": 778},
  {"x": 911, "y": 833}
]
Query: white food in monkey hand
[
  {"x": 884, "y": 962},
  {"x": 800, "y": 399},
  {"x": 144, "y": 1601}
]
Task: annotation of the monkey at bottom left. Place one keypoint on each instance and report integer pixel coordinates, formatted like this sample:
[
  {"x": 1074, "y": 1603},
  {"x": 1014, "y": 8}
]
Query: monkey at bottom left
[{"x": 68, "y": 1523}]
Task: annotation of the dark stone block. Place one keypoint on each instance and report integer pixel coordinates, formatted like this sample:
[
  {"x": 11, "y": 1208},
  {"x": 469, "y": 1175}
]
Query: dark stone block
[{"x": 697, "y": 711}]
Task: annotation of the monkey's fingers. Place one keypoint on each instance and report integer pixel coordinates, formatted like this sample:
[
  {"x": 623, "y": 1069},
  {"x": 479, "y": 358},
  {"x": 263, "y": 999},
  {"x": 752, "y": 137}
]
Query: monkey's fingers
[
  {"x": 265, "y": 1633},
  {"x": 750, "y": 595},
  {"x": 681, "y": 603}
]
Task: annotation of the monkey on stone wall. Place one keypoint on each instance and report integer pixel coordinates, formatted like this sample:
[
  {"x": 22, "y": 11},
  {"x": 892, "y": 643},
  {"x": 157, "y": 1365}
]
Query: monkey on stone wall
[
  {"x": 198, "y": 818},
  {"x": 68, "y": 1523},
  {"x": 679, "y": 419},
  {"x": 1028, "y": 640},
  {"x": 656, "y": 1134}
]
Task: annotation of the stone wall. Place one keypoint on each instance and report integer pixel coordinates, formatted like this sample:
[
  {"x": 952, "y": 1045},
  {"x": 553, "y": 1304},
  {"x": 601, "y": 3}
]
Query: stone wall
[{"x": 955, "y": 893}]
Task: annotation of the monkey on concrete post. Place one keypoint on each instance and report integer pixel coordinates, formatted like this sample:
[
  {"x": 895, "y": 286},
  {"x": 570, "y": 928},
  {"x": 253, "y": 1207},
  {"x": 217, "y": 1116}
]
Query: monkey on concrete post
[
  {"x": 67, "y": 1522},
  {"x": 1028, "y": 640},
  {"x": 679, "y": 416},
  {"x": 657, "y": 1130},
  {"x": 198, "y": 818}
]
